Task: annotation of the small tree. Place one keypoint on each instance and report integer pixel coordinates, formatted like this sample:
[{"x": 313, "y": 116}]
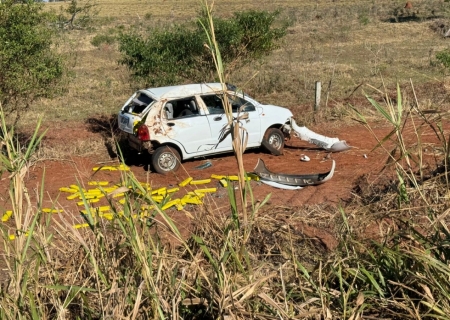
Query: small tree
[
  {"x": 443, "y": 57},
  {"x": 177, "y": 54},
  {"x": 29, "y": 67},
  {"x": 78, "y": 14}
]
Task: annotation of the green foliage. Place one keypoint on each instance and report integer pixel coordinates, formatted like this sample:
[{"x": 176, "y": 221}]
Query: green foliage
[
  {"x": 103, "y": 39},
  {"x": 165, "y": 57},
  {"x": 29, "y": 66},
  {"x": 444, "y": 58},
  {"x": 401, "y": 155},
  {"x": 15, "y": 159},
  {"x": 78, "y": 15},
  {"x": 411, "y": 266},
  {"x": 178, "y": 54},
  {"x": 363, "y": 18}
]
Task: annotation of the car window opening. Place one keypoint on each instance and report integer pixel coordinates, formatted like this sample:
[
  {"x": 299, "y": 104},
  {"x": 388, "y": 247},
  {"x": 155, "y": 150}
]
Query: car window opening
[
  {"x": 238, "y": 102},
  {"x": 182, "y": 108},
  {"x": 139, "y": 104},
  {"x": 214, "y": 104}
]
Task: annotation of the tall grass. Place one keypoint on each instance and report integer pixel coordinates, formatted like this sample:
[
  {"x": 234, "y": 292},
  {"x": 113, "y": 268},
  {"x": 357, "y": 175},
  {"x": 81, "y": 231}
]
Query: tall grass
[
  {"x": 403, "y": 273},
  {"x": 19, "y": 255},
  {"x": 238, "y": 133},
  {"x": 140, "y": 266}
]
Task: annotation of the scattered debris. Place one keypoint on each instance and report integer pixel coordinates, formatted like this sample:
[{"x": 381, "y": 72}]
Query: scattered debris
[
  {"x": 280, "y": 185},
  {"x": 329, "y": 144},
  {"x": 185, "y": 182},
  {"x": 7, "y": 215},
  {"x": 205, "y": 165},
  {"x": 204, "y": 181},
  {"x": 120, "y": 167},
  {"x": 304, "y": 158},
  {"x": 301, "y": 180}
]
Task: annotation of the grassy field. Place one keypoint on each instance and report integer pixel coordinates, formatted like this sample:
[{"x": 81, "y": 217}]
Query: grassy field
[{"x": 343, "y": 44}]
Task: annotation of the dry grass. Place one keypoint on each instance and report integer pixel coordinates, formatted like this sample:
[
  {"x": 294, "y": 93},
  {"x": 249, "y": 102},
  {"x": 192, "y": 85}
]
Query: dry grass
[
  {"x": 390, "y": 258},
  {"x": 342, "y": 44}
]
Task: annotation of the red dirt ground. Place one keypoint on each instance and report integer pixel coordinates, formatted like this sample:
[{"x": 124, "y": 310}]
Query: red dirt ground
[{"x": 351, "y": 165}]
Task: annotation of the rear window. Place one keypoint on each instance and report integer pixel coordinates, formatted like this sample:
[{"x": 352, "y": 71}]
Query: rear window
[{"x": 139, "y": 103}]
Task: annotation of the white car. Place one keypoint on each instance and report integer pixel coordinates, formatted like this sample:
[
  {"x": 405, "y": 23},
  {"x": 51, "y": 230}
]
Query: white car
[
  {"x": 181, "y": 122},
  {"x": 187, "y": 121}
]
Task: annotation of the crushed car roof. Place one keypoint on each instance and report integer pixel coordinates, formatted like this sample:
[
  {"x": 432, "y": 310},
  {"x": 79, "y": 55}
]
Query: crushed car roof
[{"x": 184, "y": 90}]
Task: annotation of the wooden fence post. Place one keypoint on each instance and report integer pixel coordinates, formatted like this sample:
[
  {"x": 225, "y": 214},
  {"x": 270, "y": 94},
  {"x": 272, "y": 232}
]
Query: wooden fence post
[{"x": 318, "y": 89}]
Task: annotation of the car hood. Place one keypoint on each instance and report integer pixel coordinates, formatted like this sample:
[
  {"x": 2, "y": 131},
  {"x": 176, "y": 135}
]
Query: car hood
[{"x": 269, "y": 108}]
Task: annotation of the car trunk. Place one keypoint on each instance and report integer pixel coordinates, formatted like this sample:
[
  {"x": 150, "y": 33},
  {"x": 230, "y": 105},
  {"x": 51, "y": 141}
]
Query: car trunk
[{"x": 134, "y": 110}]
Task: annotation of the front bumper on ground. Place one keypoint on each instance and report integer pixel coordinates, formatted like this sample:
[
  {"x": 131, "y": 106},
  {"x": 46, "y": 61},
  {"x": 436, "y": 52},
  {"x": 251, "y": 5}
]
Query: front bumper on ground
[{"x": 327, "y": 143}]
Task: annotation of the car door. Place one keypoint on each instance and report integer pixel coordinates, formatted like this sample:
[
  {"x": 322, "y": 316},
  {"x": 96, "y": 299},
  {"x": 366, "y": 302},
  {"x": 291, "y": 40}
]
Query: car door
[
  {"x": 252, "y": 121},
  {"x": 188, "y": 125},
  {"x": 220, "y": 136}
]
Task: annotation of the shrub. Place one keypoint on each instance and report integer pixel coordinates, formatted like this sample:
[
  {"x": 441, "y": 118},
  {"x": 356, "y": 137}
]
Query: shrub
[
  {"x": 444, "y": 58},
  {"x": 102, "y": 38},
  {"x": 79, "y": 14},
  {"x": 30, "y": 68},
  {"x": 179, "y": 54}
]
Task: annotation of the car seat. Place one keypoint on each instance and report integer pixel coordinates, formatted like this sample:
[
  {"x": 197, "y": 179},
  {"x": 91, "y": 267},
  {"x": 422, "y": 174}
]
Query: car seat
[
  {"x": 190, "y": 109},
  {"x": 193, "y": 106},
  {"x": 168, "y": 108}
]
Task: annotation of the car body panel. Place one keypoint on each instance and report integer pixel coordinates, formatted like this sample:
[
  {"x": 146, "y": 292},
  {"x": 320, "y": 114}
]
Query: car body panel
[
  {"x": 274, "y": 115},
  {"x": 193, "y": 134},
  {"x": 173, "y": 92},
  {"x": 221, "y": 137}
]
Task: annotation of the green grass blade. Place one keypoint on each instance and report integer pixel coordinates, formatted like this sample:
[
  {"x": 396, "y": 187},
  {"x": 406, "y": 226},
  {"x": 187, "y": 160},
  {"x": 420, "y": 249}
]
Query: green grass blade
[
  {"x": 381, "y": 110},
  {"x": 373, "y": 282}
]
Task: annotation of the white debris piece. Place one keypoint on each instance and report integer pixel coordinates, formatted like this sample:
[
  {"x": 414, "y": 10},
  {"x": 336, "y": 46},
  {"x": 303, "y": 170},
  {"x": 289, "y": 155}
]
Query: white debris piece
[
  {"x": 329, "y": 144},
  {"x": 304, "y": 158},
  {"x": 280, "y": 185}
]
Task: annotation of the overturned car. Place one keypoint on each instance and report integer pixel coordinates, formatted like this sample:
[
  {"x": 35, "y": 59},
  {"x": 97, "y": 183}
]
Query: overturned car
[{"x": 176, "y": 123}]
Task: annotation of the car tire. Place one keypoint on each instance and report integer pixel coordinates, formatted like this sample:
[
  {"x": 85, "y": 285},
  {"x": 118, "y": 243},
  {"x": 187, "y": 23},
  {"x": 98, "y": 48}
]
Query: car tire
[
  {"x": 273, "y": 141},
  {"x": 165, "y": 160}
]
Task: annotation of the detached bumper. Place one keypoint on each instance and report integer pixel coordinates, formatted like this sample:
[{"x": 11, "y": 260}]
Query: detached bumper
[
  {"x": 300, "y": 180},
  {"x": 327, "y": 143}
]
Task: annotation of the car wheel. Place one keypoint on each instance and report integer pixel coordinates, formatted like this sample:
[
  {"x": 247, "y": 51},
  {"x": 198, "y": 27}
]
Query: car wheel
[
  {"x": 273, "y": 141},
  {"x": 165, "y": 160}
]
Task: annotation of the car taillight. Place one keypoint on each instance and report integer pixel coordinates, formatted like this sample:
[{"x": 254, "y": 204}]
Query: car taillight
[{"x": 143, "y": 133}]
